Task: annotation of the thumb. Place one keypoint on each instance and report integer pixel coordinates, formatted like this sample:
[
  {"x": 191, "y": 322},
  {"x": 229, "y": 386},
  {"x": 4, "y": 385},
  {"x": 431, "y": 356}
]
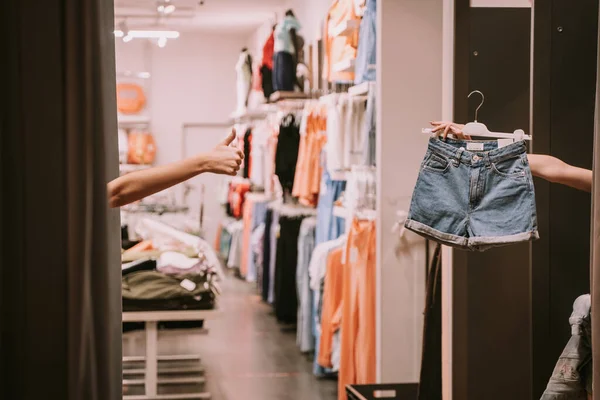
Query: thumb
[{"x": 227, "y": 141}]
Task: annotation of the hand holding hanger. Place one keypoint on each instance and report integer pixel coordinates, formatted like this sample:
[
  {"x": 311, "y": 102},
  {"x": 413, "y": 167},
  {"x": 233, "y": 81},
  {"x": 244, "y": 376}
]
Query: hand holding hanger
[
  {"x": 447, "y": 127},
  {"x": 475, "y": 128}
]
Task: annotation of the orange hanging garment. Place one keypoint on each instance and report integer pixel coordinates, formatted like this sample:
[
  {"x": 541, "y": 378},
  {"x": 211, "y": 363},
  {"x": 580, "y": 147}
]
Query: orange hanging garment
[
  {"x": 357, "y": 355},
  {"x": 307, "y": 179},
  {"x": 332, "y": 301},
  {"x": 142, "y": 148},
  {"x": 339, "y": 49}
]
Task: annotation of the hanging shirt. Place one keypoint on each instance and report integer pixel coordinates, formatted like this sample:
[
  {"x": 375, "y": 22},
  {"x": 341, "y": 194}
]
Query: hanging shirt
[
  {"x": 244, "y": 67},
  {"x": 339, "y": 48},
  {"x": 283, "y": 39}
]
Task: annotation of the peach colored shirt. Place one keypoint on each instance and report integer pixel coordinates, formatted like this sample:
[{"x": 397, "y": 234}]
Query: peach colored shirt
[
  {"x": 307, "y": 179},
  {"x": 357, "y": 354},
  {"x": 332, "y": 302},
  {"x": 339, "y": 48}
]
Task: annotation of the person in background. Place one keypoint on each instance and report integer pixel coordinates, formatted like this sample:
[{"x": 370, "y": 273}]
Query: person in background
[
  {"x": 126, "y": 189},
  {"x": 572, "y": 375}
]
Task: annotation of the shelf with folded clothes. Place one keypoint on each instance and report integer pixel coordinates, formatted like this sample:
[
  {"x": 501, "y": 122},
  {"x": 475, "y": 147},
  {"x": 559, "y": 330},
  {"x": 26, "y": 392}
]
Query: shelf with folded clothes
[{"x": 168, "y": 271}]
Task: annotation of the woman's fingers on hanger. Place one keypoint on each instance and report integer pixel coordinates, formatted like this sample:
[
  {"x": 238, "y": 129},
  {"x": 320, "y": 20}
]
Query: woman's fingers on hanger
[{"x": 447, "y": 130}]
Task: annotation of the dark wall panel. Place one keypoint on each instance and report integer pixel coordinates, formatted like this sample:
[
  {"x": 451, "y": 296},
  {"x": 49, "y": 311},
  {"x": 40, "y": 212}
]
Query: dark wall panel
[
  {"x": 565, "y": 42},
  {"x": 492, "y": 289}
]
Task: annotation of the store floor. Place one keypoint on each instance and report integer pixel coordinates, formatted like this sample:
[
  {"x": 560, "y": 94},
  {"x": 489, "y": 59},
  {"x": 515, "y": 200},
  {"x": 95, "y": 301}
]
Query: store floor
[{"x": 245, "y": 353}]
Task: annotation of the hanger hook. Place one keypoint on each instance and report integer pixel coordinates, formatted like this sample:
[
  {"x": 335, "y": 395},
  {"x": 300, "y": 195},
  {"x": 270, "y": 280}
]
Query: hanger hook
[{"x": 480, "y": 104}]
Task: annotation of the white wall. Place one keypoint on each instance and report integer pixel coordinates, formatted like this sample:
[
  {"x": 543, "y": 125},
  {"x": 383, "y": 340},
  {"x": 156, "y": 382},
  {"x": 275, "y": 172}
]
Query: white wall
[
  {"x": 311, "y": 14},
  {"x": 193, "y": 81},
  {"x": 409, "y": 96}
]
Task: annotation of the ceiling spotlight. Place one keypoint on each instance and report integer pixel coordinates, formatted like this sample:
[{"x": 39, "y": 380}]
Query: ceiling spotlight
[
  {"x": 127, "y": 38},
  {"x": 162, "y": 42},
  {"x": 165, "y": 7}
]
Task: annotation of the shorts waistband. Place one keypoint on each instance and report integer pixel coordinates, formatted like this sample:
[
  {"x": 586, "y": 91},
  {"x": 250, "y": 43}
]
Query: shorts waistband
[{"x": 457, "y": 150}]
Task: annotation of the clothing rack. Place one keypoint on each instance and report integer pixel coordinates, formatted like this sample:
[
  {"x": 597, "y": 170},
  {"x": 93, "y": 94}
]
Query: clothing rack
[{"x": 291, "y": 210}]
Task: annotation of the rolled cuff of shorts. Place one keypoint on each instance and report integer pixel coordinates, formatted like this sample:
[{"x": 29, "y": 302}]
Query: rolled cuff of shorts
[{"x": 479, "y": 243}]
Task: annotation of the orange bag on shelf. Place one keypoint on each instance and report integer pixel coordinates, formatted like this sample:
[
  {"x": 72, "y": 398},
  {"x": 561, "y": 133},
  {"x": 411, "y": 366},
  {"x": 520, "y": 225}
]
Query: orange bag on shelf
[
  {"x": 141, "y": 149},
  {"x": 130, "y": 98}
]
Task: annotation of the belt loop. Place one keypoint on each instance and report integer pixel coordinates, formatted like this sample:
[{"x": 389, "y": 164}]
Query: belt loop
[
  {"x": 458, "y": 156},
  {"x": 486, "y": 159}
]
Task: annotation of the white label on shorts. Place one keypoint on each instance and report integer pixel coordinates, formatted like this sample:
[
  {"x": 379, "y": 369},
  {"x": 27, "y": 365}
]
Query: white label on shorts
[
  {"x": 188, "y": 285},
  {"x": 471, "y": 146},
  {"x": 504, "y": 142}
]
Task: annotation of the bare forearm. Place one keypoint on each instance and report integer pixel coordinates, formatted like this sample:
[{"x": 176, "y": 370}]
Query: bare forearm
[
  {"x": 554, "y": 170},
  {"x": 137, "y": 185}
]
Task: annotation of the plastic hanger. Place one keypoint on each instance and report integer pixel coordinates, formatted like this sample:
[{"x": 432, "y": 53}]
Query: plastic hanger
[{"x": 480, "y": 130}]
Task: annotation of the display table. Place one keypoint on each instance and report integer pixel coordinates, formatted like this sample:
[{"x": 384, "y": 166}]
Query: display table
[{"x": 151, "y": 359}]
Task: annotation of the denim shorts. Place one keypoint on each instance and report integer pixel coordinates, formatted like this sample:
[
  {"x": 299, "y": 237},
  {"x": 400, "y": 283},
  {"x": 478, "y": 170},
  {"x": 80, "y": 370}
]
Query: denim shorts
[
  {"x": 473, "y": 195},
  {"x": 572, "y": 378}
]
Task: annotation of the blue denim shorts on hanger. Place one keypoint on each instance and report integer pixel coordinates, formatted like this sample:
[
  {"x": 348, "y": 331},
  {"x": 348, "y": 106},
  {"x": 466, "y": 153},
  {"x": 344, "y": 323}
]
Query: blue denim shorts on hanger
[{"x": 473, "y": 195}]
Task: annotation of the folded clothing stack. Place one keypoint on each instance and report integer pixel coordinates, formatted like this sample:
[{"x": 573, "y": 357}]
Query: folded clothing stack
[
  {"x": 153, "y": 290},
  {"x": 172, "y": 282}
]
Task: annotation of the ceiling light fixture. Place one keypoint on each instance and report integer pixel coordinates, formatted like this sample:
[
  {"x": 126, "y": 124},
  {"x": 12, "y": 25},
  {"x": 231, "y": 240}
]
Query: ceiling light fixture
[
  {"x": 147, "y": 34},
  {"x": 162, "y": 42},
  {"x": 165, "y": 7}
]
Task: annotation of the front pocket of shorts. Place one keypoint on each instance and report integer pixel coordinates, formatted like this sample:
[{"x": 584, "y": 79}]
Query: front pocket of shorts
[
  {"x": 436, "y": 163},
  {"x": 510, "y": 168}
]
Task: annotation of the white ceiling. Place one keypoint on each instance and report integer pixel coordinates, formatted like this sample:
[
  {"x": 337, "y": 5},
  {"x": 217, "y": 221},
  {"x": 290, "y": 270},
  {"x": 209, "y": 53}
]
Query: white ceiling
[{"x": 190, "y": 15}]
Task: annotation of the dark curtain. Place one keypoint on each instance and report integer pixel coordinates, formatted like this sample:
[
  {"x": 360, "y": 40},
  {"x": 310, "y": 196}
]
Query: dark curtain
[{"x": 60, "y": 306}]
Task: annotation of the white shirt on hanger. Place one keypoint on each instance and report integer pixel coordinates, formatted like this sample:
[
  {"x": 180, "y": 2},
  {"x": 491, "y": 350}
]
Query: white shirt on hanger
[{"x": 318, "y": 262}]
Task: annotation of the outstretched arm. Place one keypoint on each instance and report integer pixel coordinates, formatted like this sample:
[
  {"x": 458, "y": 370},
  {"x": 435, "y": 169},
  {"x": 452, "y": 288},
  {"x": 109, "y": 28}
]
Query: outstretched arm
[
  {"x": 554, "y": 170},
  {"x": 137, "y": 185}
]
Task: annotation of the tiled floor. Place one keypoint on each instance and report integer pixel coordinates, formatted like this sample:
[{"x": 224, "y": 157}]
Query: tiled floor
[{"x": 245, "y": 353}]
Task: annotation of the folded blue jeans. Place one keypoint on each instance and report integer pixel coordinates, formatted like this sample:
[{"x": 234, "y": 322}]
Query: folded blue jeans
[
  {"x": 474, "y": 195},
  {"x": 572, "y": 376}
]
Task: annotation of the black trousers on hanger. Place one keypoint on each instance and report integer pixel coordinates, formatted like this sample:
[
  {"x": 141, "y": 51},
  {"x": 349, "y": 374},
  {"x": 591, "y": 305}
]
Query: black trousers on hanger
[
  {"x": 286, "y": 296},
  {"x": 266, "y": 259},
  {"x": 430, "y": 387}
]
